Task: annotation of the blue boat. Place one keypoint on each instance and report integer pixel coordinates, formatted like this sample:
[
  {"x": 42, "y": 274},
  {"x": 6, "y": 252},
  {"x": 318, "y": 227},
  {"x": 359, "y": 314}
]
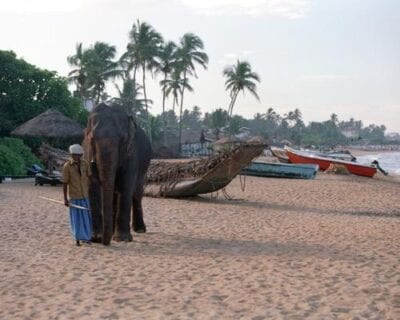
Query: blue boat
[{"x": 281, "y": 170}]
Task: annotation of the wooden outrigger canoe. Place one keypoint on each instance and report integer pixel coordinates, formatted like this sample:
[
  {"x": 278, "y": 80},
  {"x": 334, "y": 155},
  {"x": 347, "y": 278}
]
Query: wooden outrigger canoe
[{"x": 220, "y": 170}]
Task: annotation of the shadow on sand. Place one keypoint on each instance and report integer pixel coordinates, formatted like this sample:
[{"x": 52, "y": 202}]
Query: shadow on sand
[
  {"x": 162, "y": 244},
  {"x": 290, "y": 208}
]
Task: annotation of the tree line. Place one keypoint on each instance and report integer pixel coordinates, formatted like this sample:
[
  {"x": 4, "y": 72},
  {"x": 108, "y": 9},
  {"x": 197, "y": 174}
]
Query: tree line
[{"x": 276, "y": 128}]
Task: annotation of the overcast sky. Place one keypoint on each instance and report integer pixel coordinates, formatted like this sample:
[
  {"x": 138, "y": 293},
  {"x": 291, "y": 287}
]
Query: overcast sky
[{"x": 321, "y": 56}]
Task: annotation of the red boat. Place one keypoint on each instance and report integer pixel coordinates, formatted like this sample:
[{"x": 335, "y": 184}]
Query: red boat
[{"x": 297, "y": 156}]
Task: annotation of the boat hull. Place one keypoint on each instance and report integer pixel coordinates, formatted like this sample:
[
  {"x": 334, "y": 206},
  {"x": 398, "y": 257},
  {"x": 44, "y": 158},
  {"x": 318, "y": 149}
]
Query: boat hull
[
  {"x": 281, "y": 170},
  {"x": 324, "y": 163}
]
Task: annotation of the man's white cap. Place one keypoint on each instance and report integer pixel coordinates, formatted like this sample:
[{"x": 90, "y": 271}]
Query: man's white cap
[{"x": 75, "y": 149}]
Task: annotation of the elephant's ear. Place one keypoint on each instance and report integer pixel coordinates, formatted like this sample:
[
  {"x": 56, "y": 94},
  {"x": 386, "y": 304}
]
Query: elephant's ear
[
  {"x": 87, "y": 138},
  {"x": 88, "y": 134}
]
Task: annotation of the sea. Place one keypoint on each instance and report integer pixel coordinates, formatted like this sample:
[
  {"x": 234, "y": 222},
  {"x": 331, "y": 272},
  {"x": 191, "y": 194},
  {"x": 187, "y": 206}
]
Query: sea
[{"x": 389, "y": 161}]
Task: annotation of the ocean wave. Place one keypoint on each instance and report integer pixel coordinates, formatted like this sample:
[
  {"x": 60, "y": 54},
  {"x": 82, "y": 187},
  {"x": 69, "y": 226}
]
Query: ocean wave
[{"x": 389, "y": 161}]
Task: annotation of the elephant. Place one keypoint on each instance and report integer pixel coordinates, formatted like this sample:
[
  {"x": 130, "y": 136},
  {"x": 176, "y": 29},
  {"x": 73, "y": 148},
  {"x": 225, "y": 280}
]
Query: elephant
[{"x": 119, "y": 152}]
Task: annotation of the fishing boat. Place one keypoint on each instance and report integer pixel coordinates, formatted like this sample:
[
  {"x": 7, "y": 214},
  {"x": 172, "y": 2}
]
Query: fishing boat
[
  {"x": 281, "y": 170},
  {"x": 178, "y": 178},
  {"x": 324, "y": 163}
]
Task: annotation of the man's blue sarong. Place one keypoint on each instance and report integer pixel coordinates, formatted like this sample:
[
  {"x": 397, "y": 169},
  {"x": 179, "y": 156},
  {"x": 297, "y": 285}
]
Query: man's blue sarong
[{"x": 81, "y": 220}]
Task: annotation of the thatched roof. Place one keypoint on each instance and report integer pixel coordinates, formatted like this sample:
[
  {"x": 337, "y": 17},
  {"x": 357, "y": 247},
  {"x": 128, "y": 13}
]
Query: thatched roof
[{"x": 50, "y": 124}]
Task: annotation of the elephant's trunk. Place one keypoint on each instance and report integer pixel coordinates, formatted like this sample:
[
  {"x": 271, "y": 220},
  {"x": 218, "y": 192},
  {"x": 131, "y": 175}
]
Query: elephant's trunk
[
  {"x": 107, "y": 163},
  {"x": 107, "y": 196}
]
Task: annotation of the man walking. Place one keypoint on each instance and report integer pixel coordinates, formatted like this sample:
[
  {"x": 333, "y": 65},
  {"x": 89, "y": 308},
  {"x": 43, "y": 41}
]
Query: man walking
[{"x": 76, "y": 172}]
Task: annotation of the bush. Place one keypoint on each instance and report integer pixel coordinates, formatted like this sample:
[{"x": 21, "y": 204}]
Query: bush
[
  {"x": 10, "y": 162},
  {"x": 20, "y": 149}
]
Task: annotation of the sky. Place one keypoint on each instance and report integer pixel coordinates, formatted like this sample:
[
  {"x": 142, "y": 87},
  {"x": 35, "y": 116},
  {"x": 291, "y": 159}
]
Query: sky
[{"x": 321, "y": 56}]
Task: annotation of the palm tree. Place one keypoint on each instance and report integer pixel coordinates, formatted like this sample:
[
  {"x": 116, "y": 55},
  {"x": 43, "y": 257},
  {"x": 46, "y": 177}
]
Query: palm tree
[
  {"x": 128, "y": 64},
  {"x": 144, "y": 46},
  {"x": 270, "y": 114},
  {"x": 167, "y": 59},
  {"x": 189, "y": 53},
  {"x": 294, "y": 118},
  {"x": 155, "y": 127},
  {"x": 240, "y": 78},
  {"x": 334, "y": 119},
  {"x": 129, "y": 97},
  {"x": 100, "y": 67},
  {"x": 78, "y": 75},
  {"x": 173, "y": 85},
  {"x": 272, "y": 121}
]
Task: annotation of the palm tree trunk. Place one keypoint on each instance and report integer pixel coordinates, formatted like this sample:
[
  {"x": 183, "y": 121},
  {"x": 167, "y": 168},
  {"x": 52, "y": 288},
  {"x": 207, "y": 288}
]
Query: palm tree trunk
[
  {"x": 163, "y": 110},
  {"x": 229, "y": 108},
  {"x": 232, "y": 104},
  {"x": 145, "y": 101},
  {"x": 174, "y": 103},
  {"x": 134, "y": 81},
  {"x": 180, "y": 111},
  {"x": 134, "y": 75},
  {"x": 230, "y": 112}
]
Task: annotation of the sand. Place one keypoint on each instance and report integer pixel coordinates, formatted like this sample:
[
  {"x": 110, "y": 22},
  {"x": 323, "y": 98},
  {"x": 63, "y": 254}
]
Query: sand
[{"x": 284, "y": 249}]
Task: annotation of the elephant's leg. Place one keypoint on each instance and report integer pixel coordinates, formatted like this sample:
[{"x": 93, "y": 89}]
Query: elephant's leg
[
  {"x": 137, "y": 211},
  {"x": 122, "y": 226},
  {"x": 95, "y": 209}
]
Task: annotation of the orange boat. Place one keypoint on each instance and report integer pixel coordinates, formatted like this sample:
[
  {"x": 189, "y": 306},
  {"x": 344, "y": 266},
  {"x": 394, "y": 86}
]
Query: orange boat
[{"x": 297, "y": 156}]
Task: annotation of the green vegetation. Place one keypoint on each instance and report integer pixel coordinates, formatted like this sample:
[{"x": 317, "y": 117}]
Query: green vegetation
[
  {"x": 15, "y": 157},
  {"x": 216, "y": 121},
  {"x": 10, "y": 162},
  {"x": 18, "y": 146}
]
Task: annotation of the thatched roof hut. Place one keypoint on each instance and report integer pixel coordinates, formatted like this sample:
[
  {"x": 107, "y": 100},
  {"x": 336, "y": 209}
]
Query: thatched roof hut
[{"x": 50, "y": 124}]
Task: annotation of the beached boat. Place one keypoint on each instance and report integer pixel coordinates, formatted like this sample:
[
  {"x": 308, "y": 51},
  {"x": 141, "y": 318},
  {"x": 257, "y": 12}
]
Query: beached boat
[
  {"x": 338, "y": 154},
  {"x": 281, "y": 170},
  {"x": 187, "y": 177},
  {"x": 324, "y": 163}
]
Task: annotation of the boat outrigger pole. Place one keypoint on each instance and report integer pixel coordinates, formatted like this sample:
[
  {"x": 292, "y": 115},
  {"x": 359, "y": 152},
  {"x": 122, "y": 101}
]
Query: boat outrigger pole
[{"x": 375, "y": 162}]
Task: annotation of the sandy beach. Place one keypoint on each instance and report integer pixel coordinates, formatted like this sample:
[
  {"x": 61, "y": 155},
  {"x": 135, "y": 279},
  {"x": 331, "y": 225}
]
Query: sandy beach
[{"x": 283, "y": 249}]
